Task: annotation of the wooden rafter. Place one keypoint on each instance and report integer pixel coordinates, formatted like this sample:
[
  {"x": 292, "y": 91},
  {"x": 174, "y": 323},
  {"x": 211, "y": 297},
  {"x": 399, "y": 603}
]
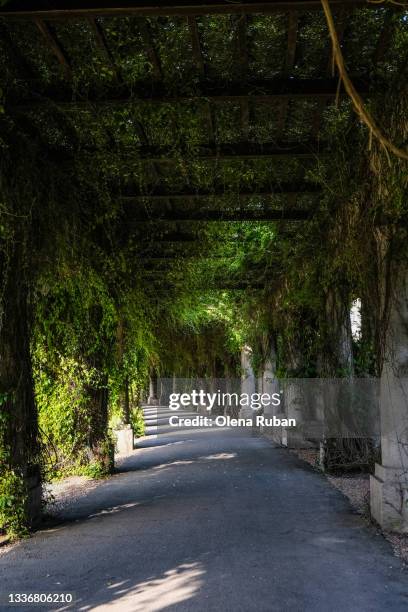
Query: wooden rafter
[
  {"x": 199, "y": 61},
  {"x": 217, "y": 192},
  {"x": 385, "y": 37},
  {"x": 227, "y": 215},
  {"x": 103, "y": 46},
  {"x": 66, "y": 9},
  {"x": 243, "y": 64},
  {"x": 196, "y": 45},
  {"x": 151, "y": 52},
  {"x": 53, "y": 44},
  {"x": 292, "y": 38},
  {"x": 223, "y": 152},
  {"x": 293, "y": 21},
  {"x": 262, "y": 91}
]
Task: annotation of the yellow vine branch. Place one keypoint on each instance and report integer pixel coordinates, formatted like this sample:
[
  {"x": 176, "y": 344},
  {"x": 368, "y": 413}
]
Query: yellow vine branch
[{"x": 358, "y": 103}]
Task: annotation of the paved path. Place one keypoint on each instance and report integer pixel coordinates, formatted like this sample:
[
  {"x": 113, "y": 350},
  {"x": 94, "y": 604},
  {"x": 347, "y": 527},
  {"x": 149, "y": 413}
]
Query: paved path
[{"x": 211, "y": 520}]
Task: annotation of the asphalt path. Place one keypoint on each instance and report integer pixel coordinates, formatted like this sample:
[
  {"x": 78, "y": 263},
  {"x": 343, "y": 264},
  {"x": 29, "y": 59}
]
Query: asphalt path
[{"x": 210, "y": 519}]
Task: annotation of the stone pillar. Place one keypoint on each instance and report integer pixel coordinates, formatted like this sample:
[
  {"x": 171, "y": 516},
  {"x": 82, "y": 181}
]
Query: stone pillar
[
  {"x": 124, "y": 440},
  {"x": 228, "y": 390},
  {"x": 294, "y": 398},
  {"x": 124, "y": 435},
  {"x": 389, "y": 485},
  {"x": 295, "y": 402},
  {"x": 125, "y": 402},
  {"x": 153, "y": 399},
  {"x": 270, "y": 385},
  {"x": 269, "y": 381},
  {"x": 336, "y": 367},
  {"x": 248, "y": 382}
]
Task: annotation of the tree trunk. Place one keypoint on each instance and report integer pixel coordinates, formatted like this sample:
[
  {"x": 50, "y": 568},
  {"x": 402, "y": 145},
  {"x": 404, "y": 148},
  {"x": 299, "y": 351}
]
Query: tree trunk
[
  {"x": 17, "y": 404},
  {"x": 99, "y": 444}
]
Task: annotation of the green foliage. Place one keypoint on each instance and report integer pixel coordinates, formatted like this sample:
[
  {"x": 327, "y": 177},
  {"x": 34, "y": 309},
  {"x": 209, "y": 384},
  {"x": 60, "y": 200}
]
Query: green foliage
[
  {"x": 62, "y": 411},
  {"x": 137, "y": 422},
  {"x": 13, "y": 493},
  {"x": 13, "y": 498}
]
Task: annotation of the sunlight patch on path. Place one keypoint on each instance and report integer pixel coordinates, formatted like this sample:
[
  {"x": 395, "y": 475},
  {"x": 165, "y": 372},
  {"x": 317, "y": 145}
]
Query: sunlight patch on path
[{"x": 175, "y": 586}]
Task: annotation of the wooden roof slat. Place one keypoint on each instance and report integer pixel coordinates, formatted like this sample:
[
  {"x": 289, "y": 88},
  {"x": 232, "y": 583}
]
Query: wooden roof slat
[
  {"x": 292, "y": 38},
  {"x": 385, "y": 37},
  {"x": 279, "y": 189},
  {"x": 245, "y": 118},
  {"x": 242, "y": 44},
  {"x": 199, "y": 61},
  {"x": 293, "y": 21},
  {"x": 67, "y": 9},
  {"x": 53, "y": 44},
  {"x": 243, "y": 65},
  {"x": 263, "y": 91},
  {"x": 103, "y": 45},
  {"x": 196, "y": 45},
  {"x": 228, "y": 216},
  {"x": 147, "y": 37}
]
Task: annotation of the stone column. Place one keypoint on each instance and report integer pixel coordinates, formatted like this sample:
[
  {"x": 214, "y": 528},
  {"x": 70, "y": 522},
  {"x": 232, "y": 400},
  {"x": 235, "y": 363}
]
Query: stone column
[
  {"x": 269, "y": 380},
  {"x": 295, "y": 398},
  {"x": 389, "y": 485},
  {"x": 334, "y": 403},
  {"x": 124, "y": 435},
  {"x": 153, "y": 399},
  {"x": 248, "y": 382},
  {"x": 270, "y": 385}
]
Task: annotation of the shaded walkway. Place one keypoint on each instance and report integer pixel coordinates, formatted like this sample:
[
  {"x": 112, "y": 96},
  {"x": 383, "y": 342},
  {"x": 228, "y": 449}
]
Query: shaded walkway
[{"x": 211, "y": 520}]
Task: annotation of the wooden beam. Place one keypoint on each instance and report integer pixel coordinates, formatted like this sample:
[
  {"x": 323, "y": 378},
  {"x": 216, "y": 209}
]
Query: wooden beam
[
  {"x": 72, "y": 9},
  {"x": 147, "y": 37},
  {"x": 173, "y": 237},
  {"x": 292, "y": 38},
  {"x": 199, "y": 61},
  {"x": 53, "y": 44},
  {"x": 293, "y": 20},
  {"x": 219, "y": 192},
  {"x": 262, "y": 91},
  {"x": 221, "y": 284},
  {"x": 196, "y": 45},
  {"x": 385, "y": 37},
  {"x": 227, "y": 216},
  {"x": 223, "y": 152},
  {"x": 243, "y": 65},
  {"x": 163, "y": 258},
  {"x": 103, "y": 45}
]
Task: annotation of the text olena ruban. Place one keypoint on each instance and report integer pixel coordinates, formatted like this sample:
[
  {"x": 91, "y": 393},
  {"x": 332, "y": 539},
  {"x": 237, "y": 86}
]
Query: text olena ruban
[
  {"x": 210, "y": 400},
  {"x": 226, "y": 421}
]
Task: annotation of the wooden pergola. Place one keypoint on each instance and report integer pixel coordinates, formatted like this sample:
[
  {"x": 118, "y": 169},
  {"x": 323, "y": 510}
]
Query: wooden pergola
[{"x": 296, "y": 88}]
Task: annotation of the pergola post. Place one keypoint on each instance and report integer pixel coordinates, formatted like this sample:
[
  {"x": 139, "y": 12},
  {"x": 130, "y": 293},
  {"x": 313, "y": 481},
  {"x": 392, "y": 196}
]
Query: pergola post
[
  {"x": 124, "y": 436},
  {"x": 389, "y": 485},
  {"x": 19, "y": 437},
  {"x": 153, "y": 399},
  {"x": 270, "y": 386},
  {"x": 248, "y": 382},
  {"x": 295, "y": 398}
]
